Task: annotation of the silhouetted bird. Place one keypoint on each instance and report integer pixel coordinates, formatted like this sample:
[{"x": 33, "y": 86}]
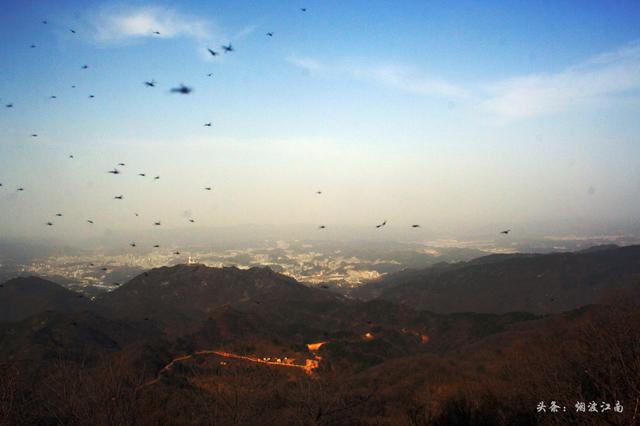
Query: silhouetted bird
[
  {"x": 506, "y": 231},
  {"x": 136, "y": 214},
  {"x": 156, "y": 178},
  {"x": 384, "y": 222},
  {"x": 52, "y": 97},
  {"x": 90, "y": 221},
  {"x": 318, "y": 192},
  {"x": 33, "y": 46},
  {"x": 49, "y": 224},
  {"x": 304, "y": 9},
  {"x": 207, "y": 124},
  {"x": 132, "y": 244},
  {"x": 207, "y": 188},
  {"x": 415, "y": 226},
  {"x": 191, "y": 220},
  {"x": 182, "y": 89},
  {"x": 228, "y": 48},
  {"x": 114, "y": 172},
  {"x": 270, "y": 34},
  {"x": 59, "y": 214},
  {"x": 34, "y": 135},
  {"x": 141, "y": 174},
  {"x": 121, "y": 164},
  {"x": 156, "y": 223},
  {"x": 176, "y": 252},
  {"x": 210, "y": 74},
  {"x": 20, "y": 189},
  {"x": 156, "y": 32},
  {"x": 156, "y": 246},
  {"x": 151, "y": 83},
  {"x": 71, "y": 156},
  {"x": 213, "y": 53},
  {"x": 72, "y": 31},
  {"x": 91, "y": 96},
  {"x": 322, "y": 227},
  {"x": 9, "y": 105},
  {"x": 84, "y": 67},
  {"x": 73, "y": 86},
  {"x": 118, "y": 197},
  {"x": 45, "y": 22}
]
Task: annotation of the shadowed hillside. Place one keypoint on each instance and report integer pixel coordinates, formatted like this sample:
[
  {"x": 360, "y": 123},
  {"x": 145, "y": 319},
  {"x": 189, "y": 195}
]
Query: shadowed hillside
[{"x": 538, "y": 283}]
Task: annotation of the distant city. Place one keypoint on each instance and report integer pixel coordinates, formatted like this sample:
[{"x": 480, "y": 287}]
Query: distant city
[{"x": 341, "y": 265}]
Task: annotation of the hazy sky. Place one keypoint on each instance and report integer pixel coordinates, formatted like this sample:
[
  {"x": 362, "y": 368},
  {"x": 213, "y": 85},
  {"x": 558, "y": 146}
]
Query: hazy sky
[{"x": 441, "y": 113}]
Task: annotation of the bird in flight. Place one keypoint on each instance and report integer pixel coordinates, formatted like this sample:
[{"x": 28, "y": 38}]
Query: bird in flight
[
  {"x": 49, "y": 223},
  {"x": 151, "y": 83},
  {"x": 20, "y": 189},
  {"x": 84, "y": 67},
  {"x": 121, "y": 164},
  {"x": 176, "y": 252},
  {"x": 52, "y": 97},
  {"x": 90, "y": 221},
  {"x": 9, "y": 105},
  {"x": 270, "y": 34},
  {"x": 118, "y": 197},
  {"x": 45, "y": 22},
  {"x": 33, "y": 46},
  {"x": 192, "y": 220},
  {"x": 207, "y": 188},
  {"x": 156, "y": 223},
  {"x": 34, "y": 135},
  {"x": 322, "y": 227},
  {"x": 228, "y": 48},
  {"x": 182, "y": 89},
  {"x": 156, "y": 246},
  {"x": 91, "y": 96},
  {"x": 207, "y": 124},
  {"x": 210, "y": 74},
  {"x": 212, "y": 52},
  {"x": 506, "y": 231},
  {"x": 132, "y": 244},
  {"x": 415, "y": 226},
  {"x": 73, "y": 86},
  {"x": 156, "y": 32},
  {"x": 136, "y": 214},
  {"x": 72, "y": 31},
  {"x": 59, "y": 214},
  {"x": 384, "y": 222},
  {"x": 319, "y": 192},
  {"x": 156, "y": 178},
  {"x": 114, "y": 172},
  {"x": 141, "y": 174},
  {"x": 303, "y": 9},
  {"x": 71, "y": 156}
]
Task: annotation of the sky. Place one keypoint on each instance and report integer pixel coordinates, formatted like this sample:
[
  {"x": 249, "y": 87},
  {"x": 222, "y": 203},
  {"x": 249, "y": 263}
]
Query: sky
[{"x": 453, "y": 115}]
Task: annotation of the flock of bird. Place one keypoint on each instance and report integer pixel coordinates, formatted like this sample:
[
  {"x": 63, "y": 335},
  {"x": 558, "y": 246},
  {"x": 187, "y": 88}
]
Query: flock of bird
[{"x": 183, "y": 90}]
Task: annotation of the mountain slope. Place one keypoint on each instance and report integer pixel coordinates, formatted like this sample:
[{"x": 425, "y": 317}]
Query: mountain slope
[
  {"x": 21, "y": 298},
  {"x": 540, "y": 283}
]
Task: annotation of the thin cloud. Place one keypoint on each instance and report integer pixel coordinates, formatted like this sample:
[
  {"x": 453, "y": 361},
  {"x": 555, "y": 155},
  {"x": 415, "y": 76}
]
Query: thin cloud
[
  {"x": 410, "y": 80},
  {"x": 598, "y": 79},
  {"x": 120, "y": 24},
  {"x": 401, "y": 77}
]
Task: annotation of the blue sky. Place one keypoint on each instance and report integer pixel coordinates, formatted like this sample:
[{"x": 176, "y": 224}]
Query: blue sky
[{"x": 452, "y": 114}]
